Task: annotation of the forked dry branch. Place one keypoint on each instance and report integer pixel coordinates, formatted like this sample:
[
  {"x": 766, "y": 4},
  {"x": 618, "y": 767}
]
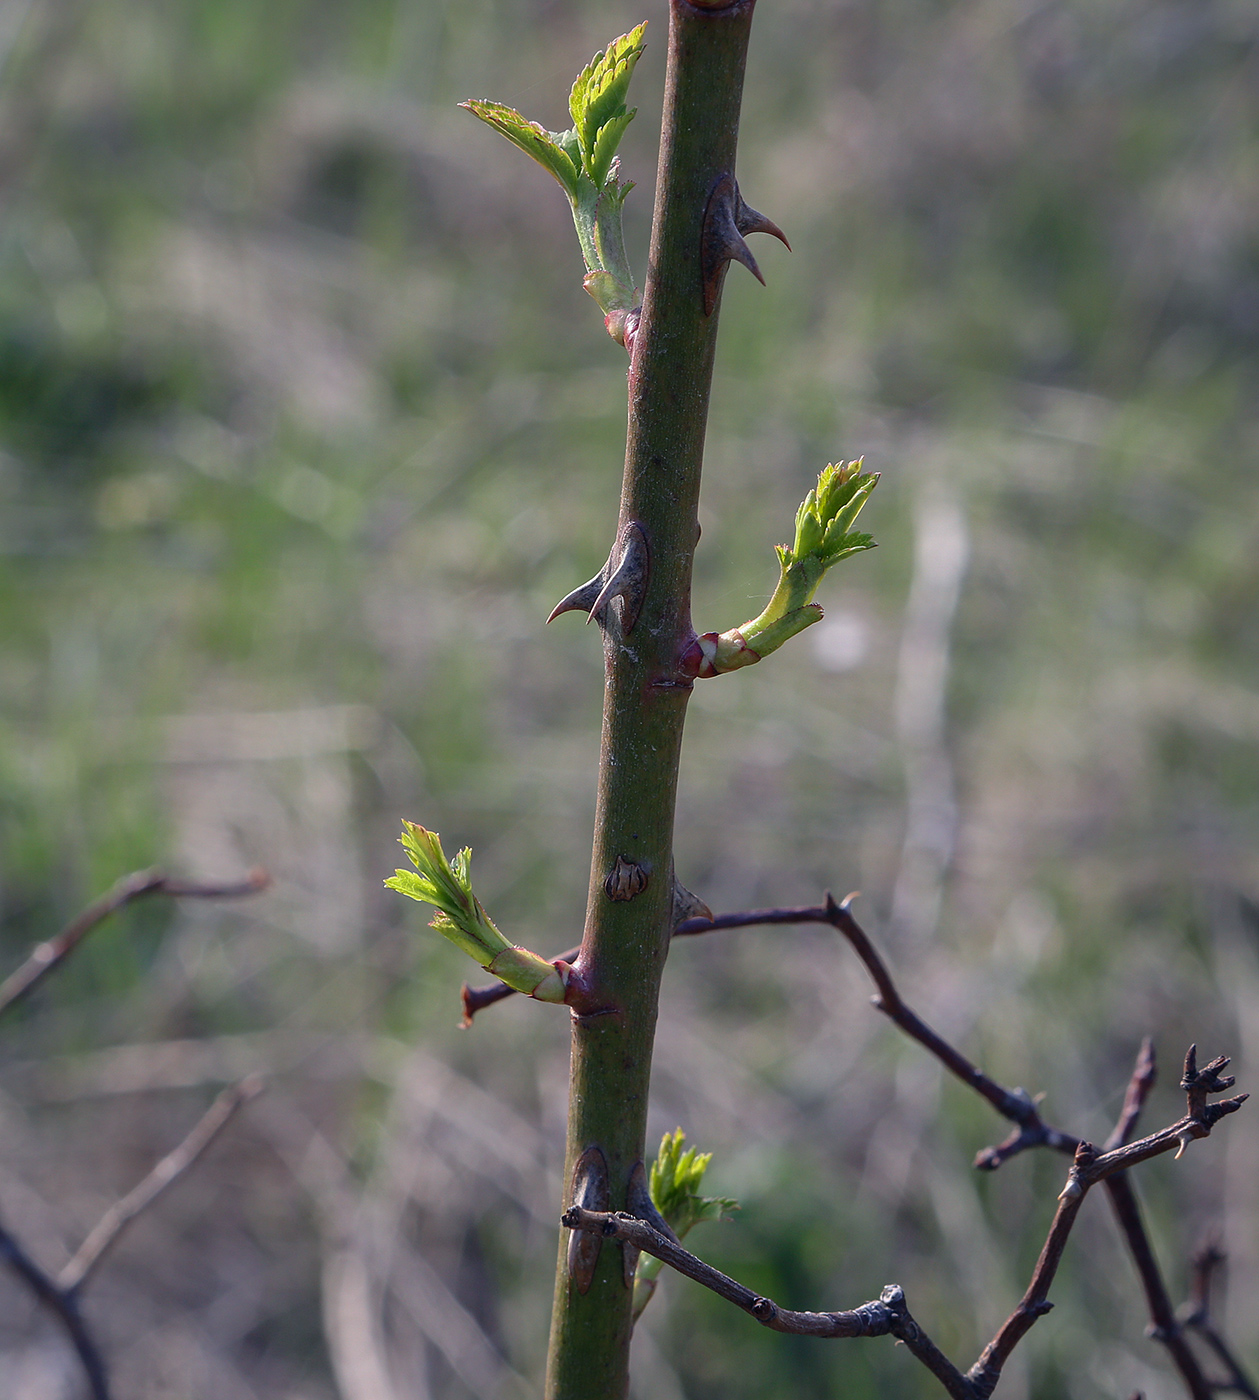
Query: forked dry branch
[
  {"x": 61, "y": 1293},
  {"x": 889, "y": 1314}
]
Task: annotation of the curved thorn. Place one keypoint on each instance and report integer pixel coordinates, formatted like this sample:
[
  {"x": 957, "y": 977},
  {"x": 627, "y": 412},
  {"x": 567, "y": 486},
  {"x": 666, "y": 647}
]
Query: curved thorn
[
  {"x": 629, "y": 580},
  {"x": 749, "y": 220},
  {"x": 580, "y": 599},
  {"x": 737, "y": 250},
  {"x": 726, "y": 219},
  {"x": 687, "y": 905}
]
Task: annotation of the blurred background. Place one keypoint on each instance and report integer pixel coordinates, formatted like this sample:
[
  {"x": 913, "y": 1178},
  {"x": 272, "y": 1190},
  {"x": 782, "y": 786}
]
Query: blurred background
[{"x": 306, "y": 423}]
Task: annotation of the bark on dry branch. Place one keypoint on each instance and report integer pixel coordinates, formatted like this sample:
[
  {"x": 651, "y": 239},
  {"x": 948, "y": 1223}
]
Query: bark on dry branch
[
  {"x": 1198, "y": 1319},
  {"x": 64, "y": 1307},
  {"x": 889, "y": 1316},
  {"x": 61, "y": 1295},
  {"x": 106, "y": 1232},
  {"x": 46, "y": 957}
]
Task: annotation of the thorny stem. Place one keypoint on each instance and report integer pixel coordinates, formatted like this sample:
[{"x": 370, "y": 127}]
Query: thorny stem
[{"x": 629, "y": 912}]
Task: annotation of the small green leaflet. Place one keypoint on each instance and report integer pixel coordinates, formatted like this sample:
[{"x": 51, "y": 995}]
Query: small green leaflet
[
  {"x": 546, "y": 147},
  {"x": 598, "y": 99}
]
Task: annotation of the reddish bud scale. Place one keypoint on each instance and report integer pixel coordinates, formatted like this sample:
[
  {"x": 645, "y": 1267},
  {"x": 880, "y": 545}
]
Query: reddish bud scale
[
  {"x": 622, "y": 326},
  {"x": 716, "y": 653}
]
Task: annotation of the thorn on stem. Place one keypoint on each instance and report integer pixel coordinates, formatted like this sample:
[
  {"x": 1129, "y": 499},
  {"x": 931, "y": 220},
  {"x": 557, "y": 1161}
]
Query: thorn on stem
[
  {"x": 624, "y": 576},
  {"x": 590, "y": 1192},
  {"x": 726, "y": 219}
]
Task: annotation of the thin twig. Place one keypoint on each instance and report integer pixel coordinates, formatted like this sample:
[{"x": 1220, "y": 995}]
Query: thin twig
[
  {"x": 1144, "y": 1073},
  {"x": 1123, "y": 1199},
  {"x": 1018, "y": 1107},
  {"x": 64, "y": 1306},
  {"x": 46, "y": 957},
  {"x": 888, "y": 1316},
  {"x": 1087, "y": 1169},
  {"x": 105, "y": 1233},
  {"x": 1163, "y": 1325},
  {"x": 1205, "y": 1262},
  {"x": 1034, "y": 1304}
]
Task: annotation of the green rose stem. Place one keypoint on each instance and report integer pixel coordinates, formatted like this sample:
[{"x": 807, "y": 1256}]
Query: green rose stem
[
  {"x": 629, "y": 916},
  {"x": 642, "y": 600}
]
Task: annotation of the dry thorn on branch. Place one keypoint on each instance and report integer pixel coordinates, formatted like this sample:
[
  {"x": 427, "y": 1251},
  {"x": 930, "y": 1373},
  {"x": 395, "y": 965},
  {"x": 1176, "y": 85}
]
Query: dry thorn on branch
[{"x": 46, "y": 957}]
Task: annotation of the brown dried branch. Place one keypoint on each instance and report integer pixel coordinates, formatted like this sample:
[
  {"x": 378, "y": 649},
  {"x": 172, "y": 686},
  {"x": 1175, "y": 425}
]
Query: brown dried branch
[
  {"x": 44, "y": 958},
  {"x": 64, "y": 1306},
  {"x": 61, "y": 1295},
  {"x": 1031, "y": 1131},
  {"x": 1144, "y": 1073},
  {"x": 1016, "y": 1105},
  {"x": 1087, "y": 1169},
  {"x": 105, "y": 1233},
  {"x": 1198, "y": 1317},
  {"x": 888, "y": 1316},
  {"x": 1164, "y": 1327}
]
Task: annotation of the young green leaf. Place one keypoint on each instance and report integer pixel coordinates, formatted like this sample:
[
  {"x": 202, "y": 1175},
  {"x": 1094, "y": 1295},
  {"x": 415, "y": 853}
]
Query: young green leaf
[
  {"x": 598, "y": 95},
  {"x": 548, "y": 148},
  {"x": 447, "y": 885},
  {"x": 824, "y": 535},
  {"x": 605, "y": 146},
  {"x": 676, "y": 1177}
]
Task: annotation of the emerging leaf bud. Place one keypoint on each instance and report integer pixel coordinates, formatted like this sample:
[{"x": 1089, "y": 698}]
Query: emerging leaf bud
[
  {"x": 824, "y": 535},
  {"x": 447, "y": 885}
]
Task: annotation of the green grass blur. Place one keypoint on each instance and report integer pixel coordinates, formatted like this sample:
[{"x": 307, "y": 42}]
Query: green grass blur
[{"x": 305, "y": 424}]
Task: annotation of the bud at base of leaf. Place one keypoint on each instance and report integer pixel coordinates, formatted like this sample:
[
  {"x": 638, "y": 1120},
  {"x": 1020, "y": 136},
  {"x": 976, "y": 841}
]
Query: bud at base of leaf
[
  {"x": 526, "y": 972},
  {"x": 622, "y": 326}
]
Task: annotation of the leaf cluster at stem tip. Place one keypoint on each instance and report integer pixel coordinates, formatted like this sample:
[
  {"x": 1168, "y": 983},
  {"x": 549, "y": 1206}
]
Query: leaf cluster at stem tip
[
  {"x": 827, "y": 514},
  {"x": 676, "y": 1177},
  {"x": 824, "y": 536},
  {"x": 583, "y": 159},
  {"x": 597, "y": 106},
  {"x": 447, "y": 885}
]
